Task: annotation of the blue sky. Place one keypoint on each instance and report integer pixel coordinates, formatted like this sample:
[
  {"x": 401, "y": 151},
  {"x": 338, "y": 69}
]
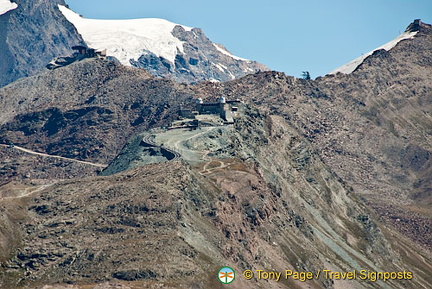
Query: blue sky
[{"x": 289, "y": 36}]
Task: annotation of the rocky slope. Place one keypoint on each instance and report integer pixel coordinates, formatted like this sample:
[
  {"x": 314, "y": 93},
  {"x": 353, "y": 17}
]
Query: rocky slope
[
  {"x": 372, "y": 127},
  {"x": 86, "y": 110},
  {"x": 31, "y": 35},
  {"x": 273, "y": 205},
  {"x": 315, "y": 175}
]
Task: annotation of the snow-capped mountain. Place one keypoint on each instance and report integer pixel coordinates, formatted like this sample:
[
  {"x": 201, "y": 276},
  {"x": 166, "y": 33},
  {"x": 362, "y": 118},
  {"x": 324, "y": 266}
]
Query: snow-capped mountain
[
  {"x": 352, "y": 65},
  {"x": 32, "y": 33},
  {"x": 128, "y": 39},
  {"x": 162, "y": 47}
]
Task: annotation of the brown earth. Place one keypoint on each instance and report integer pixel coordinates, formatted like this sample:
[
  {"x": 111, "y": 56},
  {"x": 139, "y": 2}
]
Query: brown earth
[
  {"x": 172, "y": 224},
  {"x": 318, "y": 176},
  {"x": 373, "y": 127}
]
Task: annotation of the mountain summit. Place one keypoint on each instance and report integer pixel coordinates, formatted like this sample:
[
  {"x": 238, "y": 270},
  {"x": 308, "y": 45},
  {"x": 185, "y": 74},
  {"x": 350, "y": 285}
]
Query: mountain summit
[
  {"x": 32, "y": 33},
  {"x": 163, "y": 48},
  {"x": 409, "y": 33}
]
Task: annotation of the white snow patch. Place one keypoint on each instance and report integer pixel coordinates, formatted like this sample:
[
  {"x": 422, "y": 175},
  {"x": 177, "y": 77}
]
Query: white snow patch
[
  {"x": 351, "y": 66},
  {"x": 127, "y": 39},
  {"x": 6, "y": 5},
  {"x": 220, "y": 67},
  {"x": 224, "y": 69},
  {"x": 223, "y": 51},
  {"x": 223, "y": 66}
]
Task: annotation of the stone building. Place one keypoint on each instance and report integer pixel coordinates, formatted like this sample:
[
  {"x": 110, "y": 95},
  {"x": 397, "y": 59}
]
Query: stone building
[{"x": 223, "y": 108}]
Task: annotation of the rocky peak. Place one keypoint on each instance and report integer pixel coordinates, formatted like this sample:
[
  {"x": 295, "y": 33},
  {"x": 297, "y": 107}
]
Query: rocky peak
[
  {"x": 414, "y": 26},
  {"x": 163, "y": 48},
  {"x": 34, "y": 33},
  {"x": 31, "y": 35},
  {"x": 205, "y": 60}
]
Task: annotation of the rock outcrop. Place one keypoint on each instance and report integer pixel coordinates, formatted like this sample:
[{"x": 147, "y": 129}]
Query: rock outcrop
[
  {"x": 201, "y": 60},
  {"x": 31, "y": 36}
]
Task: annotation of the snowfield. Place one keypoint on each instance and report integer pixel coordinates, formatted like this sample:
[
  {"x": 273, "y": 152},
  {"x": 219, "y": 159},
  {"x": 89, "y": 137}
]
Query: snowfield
[
  {"x": 128, "y": 39},
  {"x": 6, "y": 5},
  {"x": 351, "y": 66},
  {"x": 223, "y": 51}
]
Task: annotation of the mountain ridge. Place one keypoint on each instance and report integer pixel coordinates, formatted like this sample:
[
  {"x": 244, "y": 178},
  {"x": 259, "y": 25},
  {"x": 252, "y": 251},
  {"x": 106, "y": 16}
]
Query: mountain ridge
[
  {"x": 33, "y": 34},
  {"x": 331, "y": 173},
  {"x": 165, "y": 49}
]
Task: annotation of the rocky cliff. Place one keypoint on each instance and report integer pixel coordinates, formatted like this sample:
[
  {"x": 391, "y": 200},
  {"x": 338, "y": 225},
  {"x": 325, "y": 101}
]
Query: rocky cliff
[
  {"x": 31, "y": 35},
  {"x": 201, "y": 60},
  {"x": 332, "y": 173}
]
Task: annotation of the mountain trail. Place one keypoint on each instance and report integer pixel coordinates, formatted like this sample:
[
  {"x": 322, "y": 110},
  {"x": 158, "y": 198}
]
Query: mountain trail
[
  {"x": 53, "y": 156},
  {"x": 27, "y": 192}
]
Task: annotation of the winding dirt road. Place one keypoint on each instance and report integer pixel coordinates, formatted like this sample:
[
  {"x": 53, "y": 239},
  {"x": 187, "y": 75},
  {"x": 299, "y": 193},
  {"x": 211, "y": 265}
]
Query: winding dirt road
[
  {"x": 52, "y": 156},
  {"x": 27, "y": 192}
]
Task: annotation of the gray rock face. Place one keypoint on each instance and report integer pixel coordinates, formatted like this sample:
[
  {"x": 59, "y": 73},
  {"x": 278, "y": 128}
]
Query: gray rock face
[
  {"x": 200, "y": 61},
  {"x": 32, "y": 35}
]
